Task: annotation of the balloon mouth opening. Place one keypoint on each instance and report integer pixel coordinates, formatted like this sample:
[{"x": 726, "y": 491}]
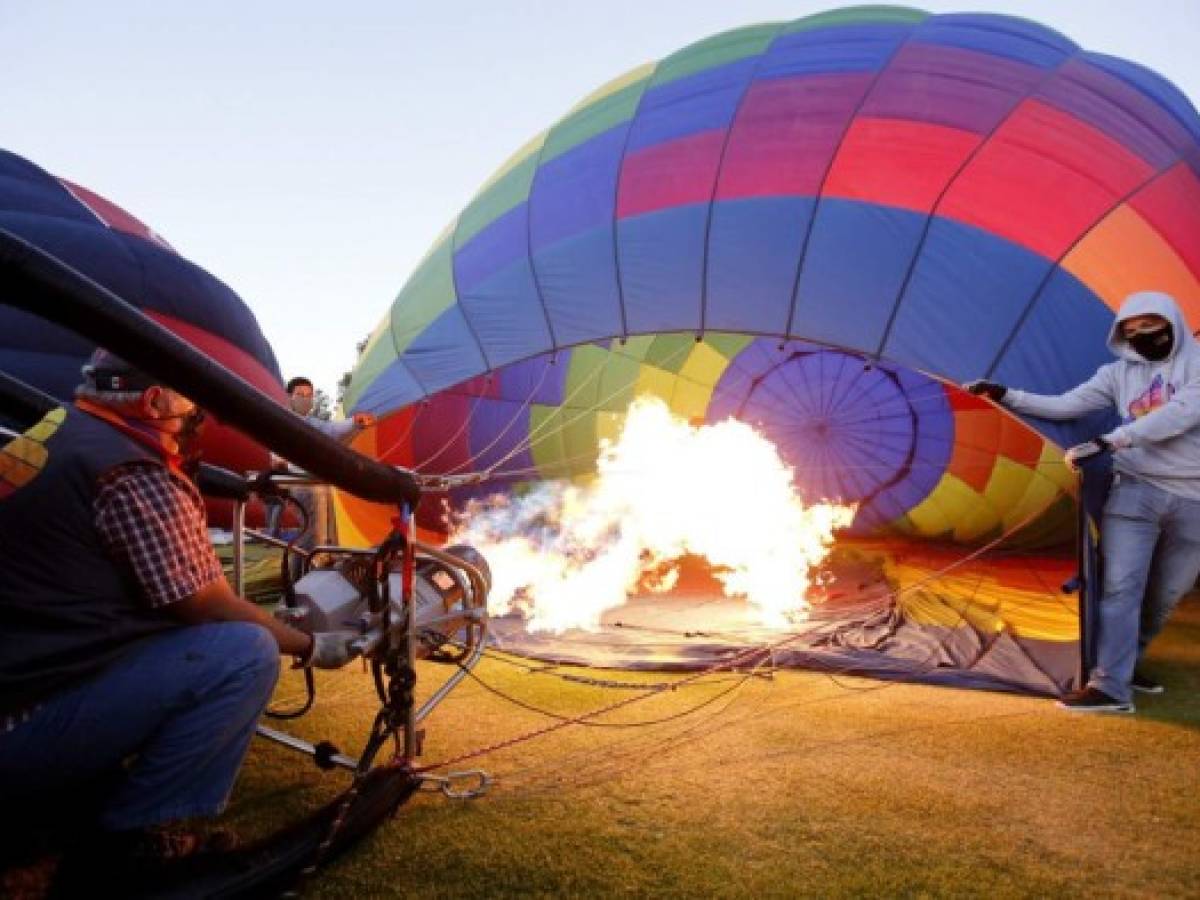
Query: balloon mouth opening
[{"x": 694, "y": 624}]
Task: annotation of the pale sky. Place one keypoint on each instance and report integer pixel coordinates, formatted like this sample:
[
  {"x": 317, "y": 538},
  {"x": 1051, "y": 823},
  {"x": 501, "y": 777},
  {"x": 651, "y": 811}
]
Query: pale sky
[{"x": 308, "y": 153}]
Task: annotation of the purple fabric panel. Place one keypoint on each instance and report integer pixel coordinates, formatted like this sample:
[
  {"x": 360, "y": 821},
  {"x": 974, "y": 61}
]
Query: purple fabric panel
[
  {"x": 1120, "y": 111},
  {"x": 497, "y": 428},
  {"x": 539, "y": 378},
  {"x": 950, "y": 86}
]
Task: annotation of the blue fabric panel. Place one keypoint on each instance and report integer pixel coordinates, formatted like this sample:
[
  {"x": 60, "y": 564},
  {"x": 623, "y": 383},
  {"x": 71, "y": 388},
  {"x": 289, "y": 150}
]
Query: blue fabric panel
[
  {"x": 853, "y": 271},
  {"x": 967, "y": 291},
  {"x": 494, "y": 248},
  {"x": 577, "y": 191},
  {"x": 578, "y": 278},
  {"x": 1012, "y": 38},
  {"x": 753, "y": 246},
  {"x": 445, "y": 353},
  {"x": 506, "y": 314},
  {"x": 1154, "y": 86},
  {"x": 1039, "y": 359},
  {"x": 57, "y": 374},
  {"x": 845, "y": 48},
  {"x": 497, "y": 428},
  {"x": 392, "y": 389},
  {"x": 660, "y": 263},
  {"x": 701, "y": 102},
  {"x": 178, "y": 288}
]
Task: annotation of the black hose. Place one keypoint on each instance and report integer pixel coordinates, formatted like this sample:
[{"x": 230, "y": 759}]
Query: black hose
[
  {"x": 23, "y": 402},
  {"x": 43, "y": 285}
]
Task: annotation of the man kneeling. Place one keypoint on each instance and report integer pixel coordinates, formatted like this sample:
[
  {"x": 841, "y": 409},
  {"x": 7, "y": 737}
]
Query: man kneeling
[{"x": 128, "y": 666}]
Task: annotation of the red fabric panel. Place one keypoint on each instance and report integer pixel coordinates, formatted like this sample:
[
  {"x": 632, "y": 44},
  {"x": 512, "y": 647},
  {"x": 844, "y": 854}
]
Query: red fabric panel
[
  {"x": 671, "y": 174},
  {"x": 1171, "y": 204},
  {"x": 1019, "y": 442},
  {"x": 1043, "y": 179},
  {"x": 222, "y": 445},
  {"x": 898, "y": 163},
  {"x": 440, "y": 441},
  {"x": 786, "y": 132},
  {"x": 393, "y": 439},
  {"x": 112, "y": 215}
]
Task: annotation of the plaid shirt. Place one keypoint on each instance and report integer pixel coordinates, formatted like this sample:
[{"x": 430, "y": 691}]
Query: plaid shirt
[{"x": 152, "y": 522}]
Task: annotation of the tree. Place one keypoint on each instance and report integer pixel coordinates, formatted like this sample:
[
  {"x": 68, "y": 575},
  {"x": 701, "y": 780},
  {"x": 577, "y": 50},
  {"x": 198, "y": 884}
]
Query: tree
[
  {"x": 322, "y": 407},
  {"x": 343, "y": 384}
]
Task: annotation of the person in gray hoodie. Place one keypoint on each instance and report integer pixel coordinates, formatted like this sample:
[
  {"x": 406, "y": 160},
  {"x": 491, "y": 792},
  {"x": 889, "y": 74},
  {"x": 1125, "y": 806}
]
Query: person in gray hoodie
[{"x": 1150, "y": 531}]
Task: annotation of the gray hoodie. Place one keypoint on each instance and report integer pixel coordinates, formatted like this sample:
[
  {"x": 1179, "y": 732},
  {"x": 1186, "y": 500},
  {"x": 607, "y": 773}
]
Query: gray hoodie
[{"x": 1158, "y": 440}]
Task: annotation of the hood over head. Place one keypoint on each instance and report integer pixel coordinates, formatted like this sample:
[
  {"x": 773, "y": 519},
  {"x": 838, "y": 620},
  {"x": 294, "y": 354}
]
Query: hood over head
[{"x": 1145, "y": 303}]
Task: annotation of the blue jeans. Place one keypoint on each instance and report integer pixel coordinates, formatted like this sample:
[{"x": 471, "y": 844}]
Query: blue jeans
[
  {"x": 183, "y": 704},
  {"x": 1150, "y": 540}
]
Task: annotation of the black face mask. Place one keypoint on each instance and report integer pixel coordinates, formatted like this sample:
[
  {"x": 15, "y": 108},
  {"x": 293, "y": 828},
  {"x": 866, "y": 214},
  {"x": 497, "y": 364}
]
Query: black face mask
[{"x": 1153, "y": 345}]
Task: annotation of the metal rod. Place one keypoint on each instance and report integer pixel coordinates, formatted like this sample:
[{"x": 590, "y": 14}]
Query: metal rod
[
  {"x": 239, "y": 547},
  {"x": 303, "y": 746}
]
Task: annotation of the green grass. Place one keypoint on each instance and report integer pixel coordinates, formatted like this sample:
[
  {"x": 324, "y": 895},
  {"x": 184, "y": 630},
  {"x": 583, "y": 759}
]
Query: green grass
[{"x": 793, "y": 785}]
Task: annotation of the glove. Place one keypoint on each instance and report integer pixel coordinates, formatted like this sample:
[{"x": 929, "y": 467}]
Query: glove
[
  {"x": 1085, "y": 451},
  {"x": 330, "y": 650},
  {"x": 364, "y": 420},
  {"x": 991, "y": 390}
]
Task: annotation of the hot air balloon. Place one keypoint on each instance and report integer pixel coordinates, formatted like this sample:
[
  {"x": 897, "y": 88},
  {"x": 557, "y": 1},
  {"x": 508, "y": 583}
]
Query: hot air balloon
[
  {"x": 112, "y": 247},
  {"x": 819, "y": 227}
]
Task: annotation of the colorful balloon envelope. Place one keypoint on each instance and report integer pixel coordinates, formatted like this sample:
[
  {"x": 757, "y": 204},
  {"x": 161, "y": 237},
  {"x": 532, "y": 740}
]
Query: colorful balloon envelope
[{"x": 109, "y": 245}]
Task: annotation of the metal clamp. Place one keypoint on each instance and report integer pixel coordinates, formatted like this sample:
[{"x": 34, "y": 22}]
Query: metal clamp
[{"x": 476, "y": 782}]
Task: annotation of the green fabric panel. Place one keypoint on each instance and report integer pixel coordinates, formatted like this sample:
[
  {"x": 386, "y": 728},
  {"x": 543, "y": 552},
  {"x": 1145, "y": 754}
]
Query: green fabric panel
[
  {"x": 545, "y": 429},
  {"x": 855, "y": 15},
  {"x": 579, "y": 443},
  {"x": 635, "y": 347},
  {"x": 606, "y": 113},
  {"x": 715, "y": 51},
  {"x": 509, "y": 190},
  {"x": 669, "y": 351},
  {"x": 581, "y": 389},
  {"x": 376, "y": 359},
  {"x": 618, "y": 383},
  {"x": 426, "y": 295},
  {"x": 728, "y": 345}
]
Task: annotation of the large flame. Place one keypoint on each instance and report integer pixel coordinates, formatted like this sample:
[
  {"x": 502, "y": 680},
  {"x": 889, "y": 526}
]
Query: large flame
[{"x": 563, "y": 554}]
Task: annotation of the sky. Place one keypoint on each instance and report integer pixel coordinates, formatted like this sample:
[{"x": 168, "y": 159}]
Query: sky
[{"x": 309, "y": 153}]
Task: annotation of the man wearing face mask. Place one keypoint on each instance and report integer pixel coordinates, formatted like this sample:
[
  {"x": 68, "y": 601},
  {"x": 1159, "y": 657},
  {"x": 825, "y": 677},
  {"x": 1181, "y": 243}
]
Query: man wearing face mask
[
  {"x": 315, "y": 500},
  {"x": 1150, "y": 531},
  {"x": 129, "y": 669}
]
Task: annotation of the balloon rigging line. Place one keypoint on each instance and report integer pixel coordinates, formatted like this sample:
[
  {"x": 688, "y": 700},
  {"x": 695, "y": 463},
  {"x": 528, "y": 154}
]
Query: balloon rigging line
[{"x": 746, "y": 657}]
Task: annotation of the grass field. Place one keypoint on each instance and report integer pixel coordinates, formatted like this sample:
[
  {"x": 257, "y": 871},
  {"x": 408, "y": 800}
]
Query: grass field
[{"x": 790, "y": 785}]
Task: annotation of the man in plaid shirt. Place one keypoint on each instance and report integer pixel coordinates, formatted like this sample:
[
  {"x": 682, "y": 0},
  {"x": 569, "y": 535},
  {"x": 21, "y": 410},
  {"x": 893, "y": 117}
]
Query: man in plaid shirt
[{"x": 119, "y": 636}]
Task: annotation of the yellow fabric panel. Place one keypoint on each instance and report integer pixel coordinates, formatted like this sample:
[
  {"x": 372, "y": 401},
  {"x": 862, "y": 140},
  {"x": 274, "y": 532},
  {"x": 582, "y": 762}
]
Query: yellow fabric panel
[
  {"x": 1052, "y": 467},
  {"x": 704, "y": 366},
  {"x": 1008, "y": 483},
  {"x": 42, "y": 431},
  {"x": 982, "y": 518},
  {"x": 633, "y": 76},
  {"x": 690, "y": 400},
  {"x": 1039, "y": 494},
  {"x": 24, "y": 449},
  {"x": 940, "y": 511},
  {"x": 609, "y": 425},
  {"x": 655, "y": 381},
  {"x": 1124, "y": 254},
  {"x": 984, "y": 603}
]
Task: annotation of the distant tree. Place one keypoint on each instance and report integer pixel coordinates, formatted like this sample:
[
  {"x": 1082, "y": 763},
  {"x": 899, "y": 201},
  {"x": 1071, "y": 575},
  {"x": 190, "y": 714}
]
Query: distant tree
[{"x": 322, "y": 407}]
